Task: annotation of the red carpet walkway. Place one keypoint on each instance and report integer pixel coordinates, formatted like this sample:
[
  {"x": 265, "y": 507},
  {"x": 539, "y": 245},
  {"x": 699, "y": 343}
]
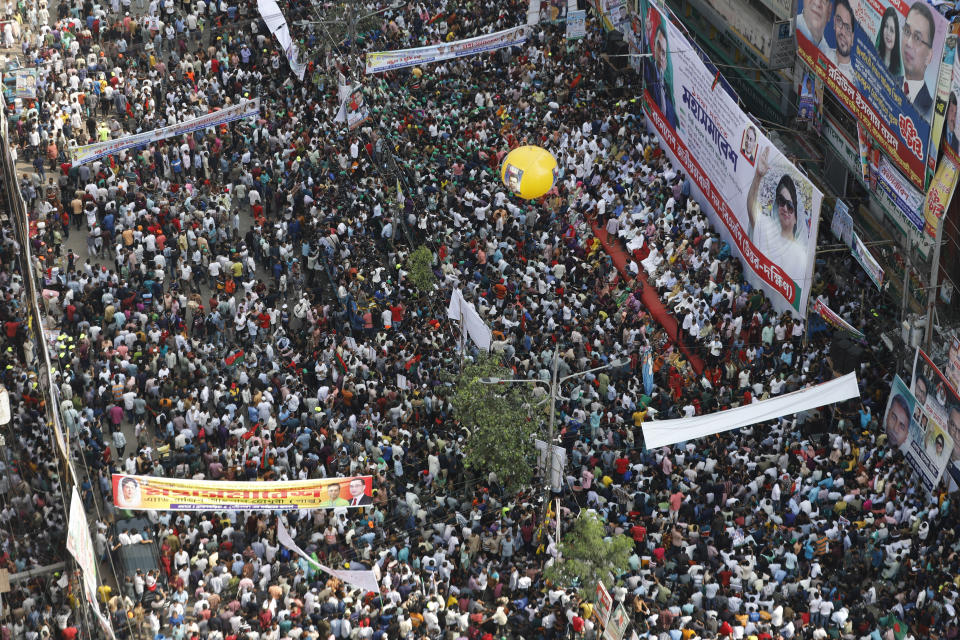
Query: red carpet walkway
[{"x": 651, "y": 300}]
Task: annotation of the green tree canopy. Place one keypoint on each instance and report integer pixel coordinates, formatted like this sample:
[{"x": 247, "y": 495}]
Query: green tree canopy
[
  {"x": 499, "y": 421},
  {"x": 588, "y": 556},
  {"x": 419, "y": 266}
]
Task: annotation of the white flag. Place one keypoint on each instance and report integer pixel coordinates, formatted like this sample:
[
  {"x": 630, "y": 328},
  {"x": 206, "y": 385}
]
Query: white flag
[
  {"x": 364, "y": 580},
  {"x": 472, "y": 323},
  {"x": 477, "y": 329},
  {"x": 454, "y": 310}
]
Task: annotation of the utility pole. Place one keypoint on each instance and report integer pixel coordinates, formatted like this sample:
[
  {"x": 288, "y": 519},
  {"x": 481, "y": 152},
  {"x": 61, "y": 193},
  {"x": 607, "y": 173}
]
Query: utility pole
[
  {"x": 907, "y": 268},
  {"x": 933, "y": 291},
  {"x": 553, "y": 403}
]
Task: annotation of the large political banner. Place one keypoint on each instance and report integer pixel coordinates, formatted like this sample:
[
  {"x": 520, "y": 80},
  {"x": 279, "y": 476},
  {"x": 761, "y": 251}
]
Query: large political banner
[
  {"x": 940, "y": 399},
  {"x": 754, "y": 196},
  {"x": 882, "y": 59},
  {"x": 149, "y": 493},
  {"x": 924, "y": 443},
  {"x": 91, "y": 152},
  {"x": 380, "y": 61}
]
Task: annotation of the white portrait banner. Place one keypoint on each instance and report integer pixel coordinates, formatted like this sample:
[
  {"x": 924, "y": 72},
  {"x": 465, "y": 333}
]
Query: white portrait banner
[
  {"x": 91, "y": 152},
  {"x": 757, "y": 200},
  {"x": 663, "y": 433},
  {"x": 380, "y": 61}
]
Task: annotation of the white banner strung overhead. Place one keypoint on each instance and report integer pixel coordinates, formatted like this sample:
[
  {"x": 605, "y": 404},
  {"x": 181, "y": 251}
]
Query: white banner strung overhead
[
  {"x": 277, "y": 24},
  {"x": 364, "y": 580},
  {"x": 663, "y": 433},
  {"x": 380, "y": 61},
  {"x": 91, "y": 152},
  {"x": 466, "y": 314}
]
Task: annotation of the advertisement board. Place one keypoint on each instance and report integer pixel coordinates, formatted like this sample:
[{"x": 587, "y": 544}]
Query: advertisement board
[
  {"x": 756, "y": 198},
  {"x": 149, "y": 493},
  {"x": 783, "y": 45},
  {"x": 925, "y": 445},
  {"x": 882, "y": 60},
  {"x": 939, "y": 397}
]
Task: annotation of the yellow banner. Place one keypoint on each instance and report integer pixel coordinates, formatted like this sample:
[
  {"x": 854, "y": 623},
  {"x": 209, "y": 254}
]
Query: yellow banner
[
  {"x": 147, "y": 493},
  {"x": 940, "y": 192}
]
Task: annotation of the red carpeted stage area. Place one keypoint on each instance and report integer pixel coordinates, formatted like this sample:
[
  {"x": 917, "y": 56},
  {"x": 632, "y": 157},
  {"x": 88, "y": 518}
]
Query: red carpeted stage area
[{"x": 651, "y": 300}]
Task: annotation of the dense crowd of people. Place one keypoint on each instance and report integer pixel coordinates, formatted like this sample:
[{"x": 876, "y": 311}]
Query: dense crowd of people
[{"x": 241, "y": 309}]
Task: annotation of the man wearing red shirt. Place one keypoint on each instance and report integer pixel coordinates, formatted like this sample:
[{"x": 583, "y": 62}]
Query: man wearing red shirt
[
  {"x": 263, "y": 320},
  {"x": 396, "y": 311}
]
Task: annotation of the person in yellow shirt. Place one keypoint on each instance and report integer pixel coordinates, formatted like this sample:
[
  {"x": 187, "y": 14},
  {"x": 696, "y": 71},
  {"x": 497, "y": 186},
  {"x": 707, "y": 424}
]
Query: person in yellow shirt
[{"x": 639, "y": 416}]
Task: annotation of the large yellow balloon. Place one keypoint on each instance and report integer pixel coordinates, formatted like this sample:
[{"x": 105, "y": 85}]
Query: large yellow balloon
[{"x": 529, "y": 172}]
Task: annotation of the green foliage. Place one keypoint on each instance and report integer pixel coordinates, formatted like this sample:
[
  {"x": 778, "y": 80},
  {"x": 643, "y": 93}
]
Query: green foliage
[
  {"x": 588, "y": 556},
  {"x": 499, "y": 422},
  {"x": 419, "y": 269}
]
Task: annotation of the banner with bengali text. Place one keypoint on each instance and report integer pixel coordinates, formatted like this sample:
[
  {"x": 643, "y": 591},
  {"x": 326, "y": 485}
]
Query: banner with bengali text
[
  {"x": 149, "y": 493},
  {"x": 862, "y": 255},
  {"x": 830, "y": 317},
  {"x": 91, "y": 152},
  {"x": 882, "y": 60},
  {"x": 753, "y": 195},
  {"x": 380, "y": 61}
]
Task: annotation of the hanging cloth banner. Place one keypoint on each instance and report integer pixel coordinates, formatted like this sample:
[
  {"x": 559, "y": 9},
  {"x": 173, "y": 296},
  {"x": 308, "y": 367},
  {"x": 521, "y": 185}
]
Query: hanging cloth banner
[
  {"x": 277, "y": 25},
  {"x": 463, "y": 311},
  {"x": 80, "y": 546},
  {"x": 830, "y": 317},
  {"x": 91, "y": 152},
  {"x": 380, "y": 61},
  {"x": 663, "y": 433},
  {"x": 363, "y": 580}
]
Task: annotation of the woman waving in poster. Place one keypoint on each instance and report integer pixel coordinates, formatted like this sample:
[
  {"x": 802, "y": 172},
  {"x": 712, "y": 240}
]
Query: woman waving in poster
[{"x": 773, "y": 229}]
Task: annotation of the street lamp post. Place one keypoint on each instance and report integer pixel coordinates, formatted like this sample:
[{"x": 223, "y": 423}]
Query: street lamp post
[{"x": 554, "y": 386}]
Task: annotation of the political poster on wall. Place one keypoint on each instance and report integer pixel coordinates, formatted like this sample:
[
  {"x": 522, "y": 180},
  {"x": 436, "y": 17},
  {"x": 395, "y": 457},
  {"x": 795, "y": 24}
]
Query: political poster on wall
[
  {"x": 811, "y": 99},
  {"x": 941, "y": 400},
  {"x": 173, "y": 494},
  {"x": 882, "y": 60},
  {"x": 757, "y": 199},
  {"x": 925, "y": 445}
]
